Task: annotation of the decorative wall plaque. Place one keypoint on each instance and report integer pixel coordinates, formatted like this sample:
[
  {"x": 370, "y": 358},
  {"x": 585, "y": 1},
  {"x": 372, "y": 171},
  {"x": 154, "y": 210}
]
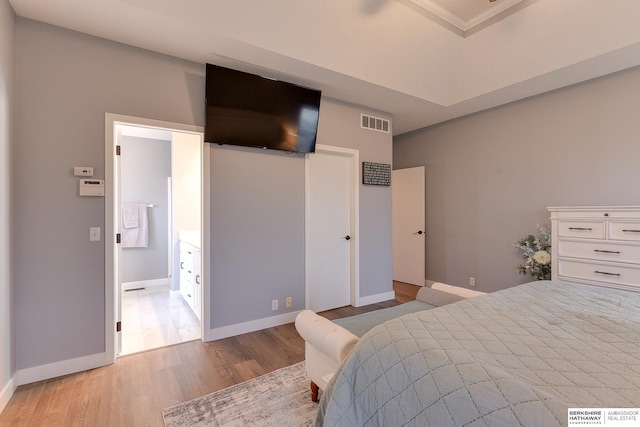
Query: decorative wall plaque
[{"x": 376, "y": 173}]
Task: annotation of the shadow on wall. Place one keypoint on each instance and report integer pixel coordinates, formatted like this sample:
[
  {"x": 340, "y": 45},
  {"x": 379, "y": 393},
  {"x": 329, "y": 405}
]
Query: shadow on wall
[
  {"x": 371, "y": 7},
  {"x": 196, "y": 88}
]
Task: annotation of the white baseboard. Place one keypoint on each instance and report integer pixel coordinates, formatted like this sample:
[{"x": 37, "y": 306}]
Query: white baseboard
[
  {"x": 251, "y": 326},
  {"x": 144, "y": 284},
  {"x": 282, "y": 319},
  {"x": 57, "y": 369},
  {"x": 7, "y": 392},
  {"x": 372, "y": 299}
]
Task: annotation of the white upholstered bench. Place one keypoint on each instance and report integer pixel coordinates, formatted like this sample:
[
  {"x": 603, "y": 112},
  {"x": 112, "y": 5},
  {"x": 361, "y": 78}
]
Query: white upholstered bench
[{"x": 327, "y": 344}]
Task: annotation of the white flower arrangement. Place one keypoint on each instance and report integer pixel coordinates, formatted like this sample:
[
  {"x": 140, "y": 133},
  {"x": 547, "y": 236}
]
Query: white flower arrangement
[{"x": 537, "y": 254}]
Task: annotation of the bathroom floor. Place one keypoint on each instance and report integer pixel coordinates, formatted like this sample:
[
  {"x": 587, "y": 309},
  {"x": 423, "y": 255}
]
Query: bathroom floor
[{"x": 156, "y": 317}]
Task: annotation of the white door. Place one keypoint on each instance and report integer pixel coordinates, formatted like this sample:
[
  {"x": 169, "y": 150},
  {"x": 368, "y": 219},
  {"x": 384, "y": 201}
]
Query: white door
[
  {"x": 329, "y": 235},
  {"x": 408, "y": 225}
]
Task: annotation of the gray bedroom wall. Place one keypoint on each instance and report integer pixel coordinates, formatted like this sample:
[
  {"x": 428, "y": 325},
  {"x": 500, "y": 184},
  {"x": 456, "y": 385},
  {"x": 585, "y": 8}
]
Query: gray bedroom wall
[
  {"x": 66, "y": 82},
  {"x": 257, "y": 233},
  {"x": 340, "y": 126},
  {"x": 257, "y": 220},
  {"x": 145, "y": 166},
  {"x": 491, "y": 176},
  {"x": 7, "y": 96}
]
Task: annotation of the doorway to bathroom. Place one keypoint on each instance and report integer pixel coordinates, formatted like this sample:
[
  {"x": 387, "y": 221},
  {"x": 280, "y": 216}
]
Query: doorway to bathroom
[{"x": 157, "y": 216}]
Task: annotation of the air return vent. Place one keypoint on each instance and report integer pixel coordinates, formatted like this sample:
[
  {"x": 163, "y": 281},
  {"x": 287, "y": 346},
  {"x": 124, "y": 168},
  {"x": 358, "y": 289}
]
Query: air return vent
[{"x": 375, "y": 123}]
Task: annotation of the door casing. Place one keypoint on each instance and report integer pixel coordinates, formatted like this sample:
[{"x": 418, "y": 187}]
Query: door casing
[{"x": 112, "y": 250}]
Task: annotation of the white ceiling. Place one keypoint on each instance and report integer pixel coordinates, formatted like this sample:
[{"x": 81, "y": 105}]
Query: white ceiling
[{"x": 395, "y": 56}]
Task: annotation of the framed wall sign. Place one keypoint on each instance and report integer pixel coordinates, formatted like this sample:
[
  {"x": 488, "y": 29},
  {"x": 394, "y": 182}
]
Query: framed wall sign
[{"x": 376, "y": 173}]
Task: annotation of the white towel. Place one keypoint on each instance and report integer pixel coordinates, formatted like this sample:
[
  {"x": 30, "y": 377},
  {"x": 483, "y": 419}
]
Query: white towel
[
  {"x": 137, "y": 237},
  {"x": 130, "y": 215}
]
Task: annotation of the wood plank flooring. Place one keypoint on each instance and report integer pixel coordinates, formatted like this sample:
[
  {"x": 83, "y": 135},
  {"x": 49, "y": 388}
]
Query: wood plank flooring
[{"x": 134, "y": 390}]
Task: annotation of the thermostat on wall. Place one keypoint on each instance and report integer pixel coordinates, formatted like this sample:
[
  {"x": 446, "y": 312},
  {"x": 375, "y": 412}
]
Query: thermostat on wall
[{"x": 92, "y": 187}]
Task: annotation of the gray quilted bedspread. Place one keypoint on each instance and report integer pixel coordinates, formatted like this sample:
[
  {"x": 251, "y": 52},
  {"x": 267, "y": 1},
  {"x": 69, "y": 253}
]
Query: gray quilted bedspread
[{"x": 518, "y": 357}]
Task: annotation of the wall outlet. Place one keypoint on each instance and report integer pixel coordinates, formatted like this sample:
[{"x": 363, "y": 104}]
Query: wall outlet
[
  {"x": 274, "y": 305},
  {"x": 472, "y": 281},
  {"x": 288, "y": 302}
]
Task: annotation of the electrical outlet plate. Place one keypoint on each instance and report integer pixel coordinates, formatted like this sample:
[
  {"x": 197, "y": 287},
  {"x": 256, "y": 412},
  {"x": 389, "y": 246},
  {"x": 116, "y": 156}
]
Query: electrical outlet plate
[
  {"x": 472, "y": 281},
  {"x": 288, "y": 302},
  {"x": 274, "y": 305}
]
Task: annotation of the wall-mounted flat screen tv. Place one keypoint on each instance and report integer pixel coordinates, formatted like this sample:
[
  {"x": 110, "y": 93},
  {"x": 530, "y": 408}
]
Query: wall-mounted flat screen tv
[{"x": 250, "y": 110}]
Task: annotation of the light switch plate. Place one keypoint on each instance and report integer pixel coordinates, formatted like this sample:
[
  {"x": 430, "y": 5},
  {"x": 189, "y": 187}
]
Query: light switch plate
[{"x": 94, "y": 234}]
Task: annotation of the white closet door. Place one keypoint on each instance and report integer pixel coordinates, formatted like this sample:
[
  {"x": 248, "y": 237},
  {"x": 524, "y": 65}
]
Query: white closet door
[{"x": 329, "y": 231}]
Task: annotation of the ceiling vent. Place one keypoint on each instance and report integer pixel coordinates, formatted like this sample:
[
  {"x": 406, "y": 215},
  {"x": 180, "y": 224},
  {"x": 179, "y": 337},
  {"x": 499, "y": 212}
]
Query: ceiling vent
[{"x": 375, "y": 123}]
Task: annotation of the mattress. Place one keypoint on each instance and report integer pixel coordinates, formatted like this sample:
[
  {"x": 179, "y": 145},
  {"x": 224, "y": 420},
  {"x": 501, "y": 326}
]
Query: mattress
[{"x": 520, "y": 356}]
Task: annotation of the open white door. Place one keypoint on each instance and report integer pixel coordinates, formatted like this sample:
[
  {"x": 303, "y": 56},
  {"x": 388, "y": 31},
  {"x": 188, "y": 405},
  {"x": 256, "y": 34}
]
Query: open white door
[
  {"x": 408, "y": 225},
  {"x": 118, "y": 247}
]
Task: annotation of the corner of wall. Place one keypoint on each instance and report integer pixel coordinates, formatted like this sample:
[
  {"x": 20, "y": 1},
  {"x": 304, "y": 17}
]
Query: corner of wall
[
  {"x": 7, "y": 119},
  {"x": 7, "y": 391}
]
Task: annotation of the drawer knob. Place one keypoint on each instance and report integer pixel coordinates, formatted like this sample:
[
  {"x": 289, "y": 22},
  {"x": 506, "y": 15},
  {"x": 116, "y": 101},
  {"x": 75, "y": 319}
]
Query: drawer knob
[
  {"x": 582, "y": 228},
  {"x": 605, "y": 251},
  {"x": 631, "y": 231},
  {"x": 607, "y": 273}
]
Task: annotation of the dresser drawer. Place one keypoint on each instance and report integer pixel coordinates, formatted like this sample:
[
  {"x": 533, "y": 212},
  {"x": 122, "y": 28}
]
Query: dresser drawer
[
  {"x": 581, "y": 229},
  {"x": 188, "y": 293},
  {"x": 189, "y": 250},
  {"x": 624, "y": 230},
  {"x": 600, "y": 272},
  {"x": 600, "y": 251}
]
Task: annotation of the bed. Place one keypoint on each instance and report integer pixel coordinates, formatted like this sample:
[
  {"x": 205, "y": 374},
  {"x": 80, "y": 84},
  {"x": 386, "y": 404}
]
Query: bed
[{"x": 520, "y": 356}]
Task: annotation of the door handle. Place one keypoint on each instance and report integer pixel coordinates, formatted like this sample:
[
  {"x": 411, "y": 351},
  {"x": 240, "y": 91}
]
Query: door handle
[
  {"x": 419, "y": 232},
  {"x": 347, "y": 237}
]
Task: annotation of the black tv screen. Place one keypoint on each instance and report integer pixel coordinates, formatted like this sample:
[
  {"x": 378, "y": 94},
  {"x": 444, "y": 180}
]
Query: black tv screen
[{"x": 250, "y": 110}]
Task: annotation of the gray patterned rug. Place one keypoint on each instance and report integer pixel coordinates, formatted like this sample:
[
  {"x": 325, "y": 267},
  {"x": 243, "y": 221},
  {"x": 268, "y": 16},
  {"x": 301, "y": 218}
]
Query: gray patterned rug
[{"x": 279, "y": 398}]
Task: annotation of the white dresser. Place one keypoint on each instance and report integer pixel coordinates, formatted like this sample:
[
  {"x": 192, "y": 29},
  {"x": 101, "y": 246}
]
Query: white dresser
[
  {"x": 190, "y": 283},
  {"x": 598, "y": 245}
]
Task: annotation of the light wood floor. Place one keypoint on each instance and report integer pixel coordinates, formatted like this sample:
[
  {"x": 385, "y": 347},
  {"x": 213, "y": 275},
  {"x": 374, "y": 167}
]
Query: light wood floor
[{"x": 134, "y": 390}]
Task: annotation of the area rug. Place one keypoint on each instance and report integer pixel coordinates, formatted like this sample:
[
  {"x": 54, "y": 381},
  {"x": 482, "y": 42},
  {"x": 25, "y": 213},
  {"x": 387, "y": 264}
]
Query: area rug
[{"x": 279, "y": 398}]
